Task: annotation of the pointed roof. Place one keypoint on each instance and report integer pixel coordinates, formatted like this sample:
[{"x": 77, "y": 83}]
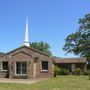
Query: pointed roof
[
  {"x": 29, "y": 48},
  {"x": 26, "y": 41}
]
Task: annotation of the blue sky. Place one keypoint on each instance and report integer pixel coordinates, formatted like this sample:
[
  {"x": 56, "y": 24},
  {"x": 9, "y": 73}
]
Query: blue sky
[{"x": 49, "y": 20}]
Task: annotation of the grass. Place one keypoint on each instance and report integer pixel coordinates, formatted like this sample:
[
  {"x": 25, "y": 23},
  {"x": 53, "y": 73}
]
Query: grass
[{"x": 59, "y": 83}]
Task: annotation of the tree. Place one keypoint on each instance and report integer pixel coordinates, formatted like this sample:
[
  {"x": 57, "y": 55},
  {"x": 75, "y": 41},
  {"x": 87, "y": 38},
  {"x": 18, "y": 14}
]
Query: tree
[
  {"x": 42, "y": 46},
  {"x": 1, "y": 53},
  {"x": 79, "y": 42}
]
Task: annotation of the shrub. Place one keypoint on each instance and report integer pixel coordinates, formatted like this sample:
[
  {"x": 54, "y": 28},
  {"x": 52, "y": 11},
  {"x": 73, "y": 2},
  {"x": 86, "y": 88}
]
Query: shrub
[
  {"x": 77, "y": 71},
  {"x": 56, "y": 71},
  {"x": 85, "y": 72},
  {"x": 64, "y": 71},
  {"x": 60, "y": 71}
]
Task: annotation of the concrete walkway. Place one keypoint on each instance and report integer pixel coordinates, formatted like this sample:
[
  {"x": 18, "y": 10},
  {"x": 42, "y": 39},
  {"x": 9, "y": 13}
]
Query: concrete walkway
[{"x": 26, "y": 81}]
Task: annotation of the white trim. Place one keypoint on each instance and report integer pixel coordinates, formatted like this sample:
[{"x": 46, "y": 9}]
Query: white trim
[
  {"x": 2, "y": 65},
  {"x": 44, "y": 70},
  {"x": 21, "y": 73}
]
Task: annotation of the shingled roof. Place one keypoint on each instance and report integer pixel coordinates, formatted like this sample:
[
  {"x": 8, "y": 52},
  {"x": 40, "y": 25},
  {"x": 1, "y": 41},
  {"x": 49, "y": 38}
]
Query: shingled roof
[{"x": 70, "y": 60}]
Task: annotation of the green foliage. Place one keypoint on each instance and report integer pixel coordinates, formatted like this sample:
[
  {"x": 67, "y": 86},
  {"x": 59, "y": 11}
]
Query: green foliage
[
  {"x": 60, "y": 71},
  {"x": 64, "y": 71},
  {"x": 56, "y": 71},
  {"x": 42, "y": 46},
  {"x": 85, "y": 72},
  {"x": 77, "y": 71},
  {"x": 1, "y": 53},
  {"x": 79, "y": 42}
]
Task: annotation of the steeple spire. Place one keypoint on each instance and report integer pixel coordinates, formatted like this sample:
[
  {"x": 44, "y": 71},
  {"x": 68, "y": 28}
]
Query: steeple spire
[{"x": 26, "y": 41}]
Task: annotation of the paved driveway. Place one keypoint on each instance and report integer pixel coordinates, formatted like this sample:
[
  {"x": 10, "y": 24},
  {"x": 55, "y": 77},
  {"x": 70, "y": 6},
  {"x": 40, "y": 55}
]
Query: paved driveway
[{"x": 27, "y": 81}]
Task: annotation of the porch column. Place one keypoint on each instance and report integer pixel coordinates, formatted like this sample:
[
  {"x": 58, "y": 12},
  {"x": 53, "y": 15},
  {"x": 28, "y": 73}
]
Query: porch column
[
  {"x": 35, "y": 67},
  {"x": 28, "y": 69},
  {"x": 34, "y": 70},
  {"x": 10, "y": 67}
]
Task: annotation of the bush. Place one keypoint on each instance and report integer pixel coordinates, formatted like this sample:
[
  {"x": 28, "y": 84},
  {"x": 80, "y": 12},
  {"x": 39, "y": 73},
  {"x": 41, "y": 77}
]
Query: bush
[
  {"x": 60, "y": 71},
  {"x": 77, "y": 71},
  {"x": 64, "y": 71},
  {"x": 85, "y": 72},
  {"x": 56, "y": 71}
]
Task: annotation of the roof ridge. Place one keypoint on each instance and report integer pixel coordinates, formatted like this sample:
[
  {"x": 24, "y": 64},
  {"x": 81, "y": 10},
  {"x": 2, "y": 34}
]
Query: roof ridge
[{"x": 28, "y": 48}]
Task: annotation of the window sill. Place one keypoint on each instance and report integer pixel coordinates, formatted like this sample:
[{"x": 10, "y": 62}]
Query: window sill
[
  {"x": 4, "y": 70},
  {"x": 20, "y": 74},
  {"x": 44, "y": 70}
]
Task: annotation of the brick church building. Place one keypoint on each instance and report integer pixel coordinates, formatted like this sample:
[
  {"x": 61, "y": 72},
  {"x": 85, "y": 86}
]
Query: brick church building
[{"x": 26, "y": 62}]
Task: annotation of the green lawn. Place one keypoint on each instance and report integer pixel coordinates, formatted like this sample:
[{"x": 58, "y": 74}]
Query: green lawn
[{"x": 59, "y": 83}]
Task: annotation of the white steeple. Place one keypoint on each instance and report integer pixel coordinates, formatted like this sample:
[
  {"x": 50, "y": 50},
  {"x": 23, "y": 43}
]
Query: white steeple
[{"x": 26, "y": 41}]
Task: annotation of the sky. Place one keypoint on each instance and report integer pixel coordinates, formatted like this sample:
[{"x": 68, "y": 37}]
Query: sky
[{"x": 49, "y": 20}]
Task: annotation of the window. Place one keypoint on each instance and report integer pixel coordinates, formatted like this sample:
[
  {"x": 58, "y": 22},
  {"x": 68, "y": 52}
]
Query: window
[
  {"x": 21, "y": 68},
  {"x": 44, "y": 65},
  {"x": 4, "y": 65}
]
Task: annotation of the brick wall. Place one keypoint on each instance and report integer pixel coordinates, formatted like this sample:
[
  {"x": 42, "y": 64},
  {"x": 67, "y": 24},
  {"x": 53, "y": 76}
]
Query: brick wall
[{"x": 32, "y": 58}]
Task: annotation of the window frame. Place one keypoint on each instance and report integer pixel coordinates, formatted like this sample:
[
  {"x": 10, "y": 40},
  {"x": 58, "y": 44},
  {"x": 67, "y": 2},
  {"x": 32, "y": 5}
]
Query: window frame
[
  {"x": 2, "y": 66},
  {"x": 47, "y": 66},
  {"x": 21, "y": 74}
]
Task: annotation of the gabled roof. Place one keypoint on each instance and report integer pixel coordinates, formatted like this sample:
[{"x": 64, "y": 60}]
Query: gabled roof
[
  {"x": 70, "y": 60},
  {"x": 35, "y": 50},
  {"x": 22, "y": 52}
]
